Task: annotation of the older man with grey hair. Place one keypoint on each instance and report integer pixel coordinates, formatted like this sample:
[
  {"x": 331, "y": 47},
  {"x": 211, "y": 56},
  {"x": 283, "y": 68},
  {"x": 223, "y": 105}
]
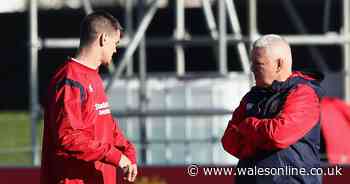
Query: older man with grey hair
[{"x": 275, "y": 131}]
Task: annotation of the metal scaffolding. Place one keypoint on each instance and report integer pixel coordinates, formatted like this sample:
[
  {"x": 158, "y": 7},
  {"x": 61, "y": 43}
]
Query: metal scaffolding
[
  {"x": 33, "y": 78},
  {"x": 218, "y": 37}
]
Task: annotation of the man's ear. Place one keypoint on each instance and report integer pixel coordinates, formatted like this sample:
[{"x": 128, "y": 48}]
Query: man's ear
[
  {"x": 103, "y": 39},
  {"x": 279, "y": 64}
]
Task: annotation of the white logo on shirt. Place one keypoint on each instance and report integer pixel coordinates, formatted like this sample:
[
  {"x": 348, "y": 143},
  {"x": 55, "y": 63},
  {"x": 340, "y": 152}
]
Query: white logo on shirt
[
  {"x": 249, "y": 106},
  {"x": 90, "y": 88},
  {"x": 103, "y": 108}
]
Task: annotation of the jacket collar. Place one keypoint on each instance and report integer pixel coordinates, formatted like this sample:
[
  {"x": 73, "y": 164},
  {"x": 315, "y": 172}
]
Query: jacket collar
[{"x": 296, "y": 78}]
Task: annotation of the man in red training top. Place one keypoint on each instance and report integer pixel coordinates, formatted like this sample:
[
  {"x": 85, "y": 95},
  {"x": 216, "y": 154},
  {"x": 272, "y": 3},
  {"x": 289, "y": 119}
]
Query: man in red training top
[
  {"x": 82, "y": 142},
  {"x": 277, "y": 124}
]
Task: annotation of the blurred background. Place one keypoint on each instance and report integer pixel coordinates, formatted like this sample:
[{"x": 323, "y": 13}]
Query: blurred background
[{"x": 183, "y": 66}]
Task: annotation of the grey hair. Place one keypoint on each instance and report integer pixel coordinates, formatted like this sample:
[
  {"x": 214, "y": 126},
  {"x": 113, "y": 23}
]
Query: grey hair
[{"x": 267, "y": 40}]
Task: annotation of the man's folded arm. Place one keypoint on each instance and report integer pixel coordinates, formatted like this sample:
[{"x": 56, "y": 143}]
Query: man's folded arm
[
  {"x": 233, "y": 141},
  {"x": 298, "y": 116}
]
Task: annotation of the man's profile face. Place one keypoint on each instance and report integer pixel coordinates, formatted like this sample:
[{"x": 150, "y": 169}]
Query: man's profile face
[
  {"x": 110, "y": 47},
  {"x": 264, "y": 67}
]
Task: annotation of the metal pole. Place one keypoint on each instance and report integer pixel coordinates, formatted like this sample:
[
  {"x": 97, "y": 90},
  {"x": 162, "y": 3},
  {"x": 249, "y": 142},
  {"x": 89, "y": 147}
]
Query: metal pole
[
  {"x": 253, "y": 25},
  {"x": 327, "y": 14},
  {"x": 209, "y": 17},
  {"x": 142, "y": 88},
  {"x": 252, "y": 29},
  {"x": 236, "y": 28},
  {"x": 56, "y": 43},
  {"x": 129, "y": 32},
  {"x": 211, "y": 24},
  {"x": 179, "y": 34},
  {"x": 33, "y": 78},
  {"x": 204, "y": 41},
  {"x": 87, "y": 6},
  {"x": 146, "y": 20},
  {"x": 346, "y": 49},
  {"x": 222, "y": 38}
]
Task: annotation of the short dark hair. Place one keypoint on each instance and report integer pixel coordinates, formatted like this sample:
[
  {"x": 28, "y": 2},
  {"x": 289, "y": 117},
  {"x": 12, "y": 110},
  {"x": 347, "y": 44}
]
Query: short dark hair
[{"x": 95, "y": 23}]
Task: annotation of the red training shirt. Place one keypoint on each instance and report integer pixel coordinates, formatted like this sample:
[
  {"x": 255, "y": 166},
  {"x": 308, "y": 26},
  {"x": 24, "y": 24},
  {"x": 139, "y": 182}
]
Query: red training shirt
[{"x": 82, "y": 142}]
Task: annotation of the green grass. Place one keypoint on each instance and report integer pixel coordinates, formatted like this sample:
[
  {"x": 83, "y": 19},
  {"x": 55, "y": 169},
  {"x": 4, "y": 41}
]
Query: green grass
[{"x": 15, "y": 138}]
